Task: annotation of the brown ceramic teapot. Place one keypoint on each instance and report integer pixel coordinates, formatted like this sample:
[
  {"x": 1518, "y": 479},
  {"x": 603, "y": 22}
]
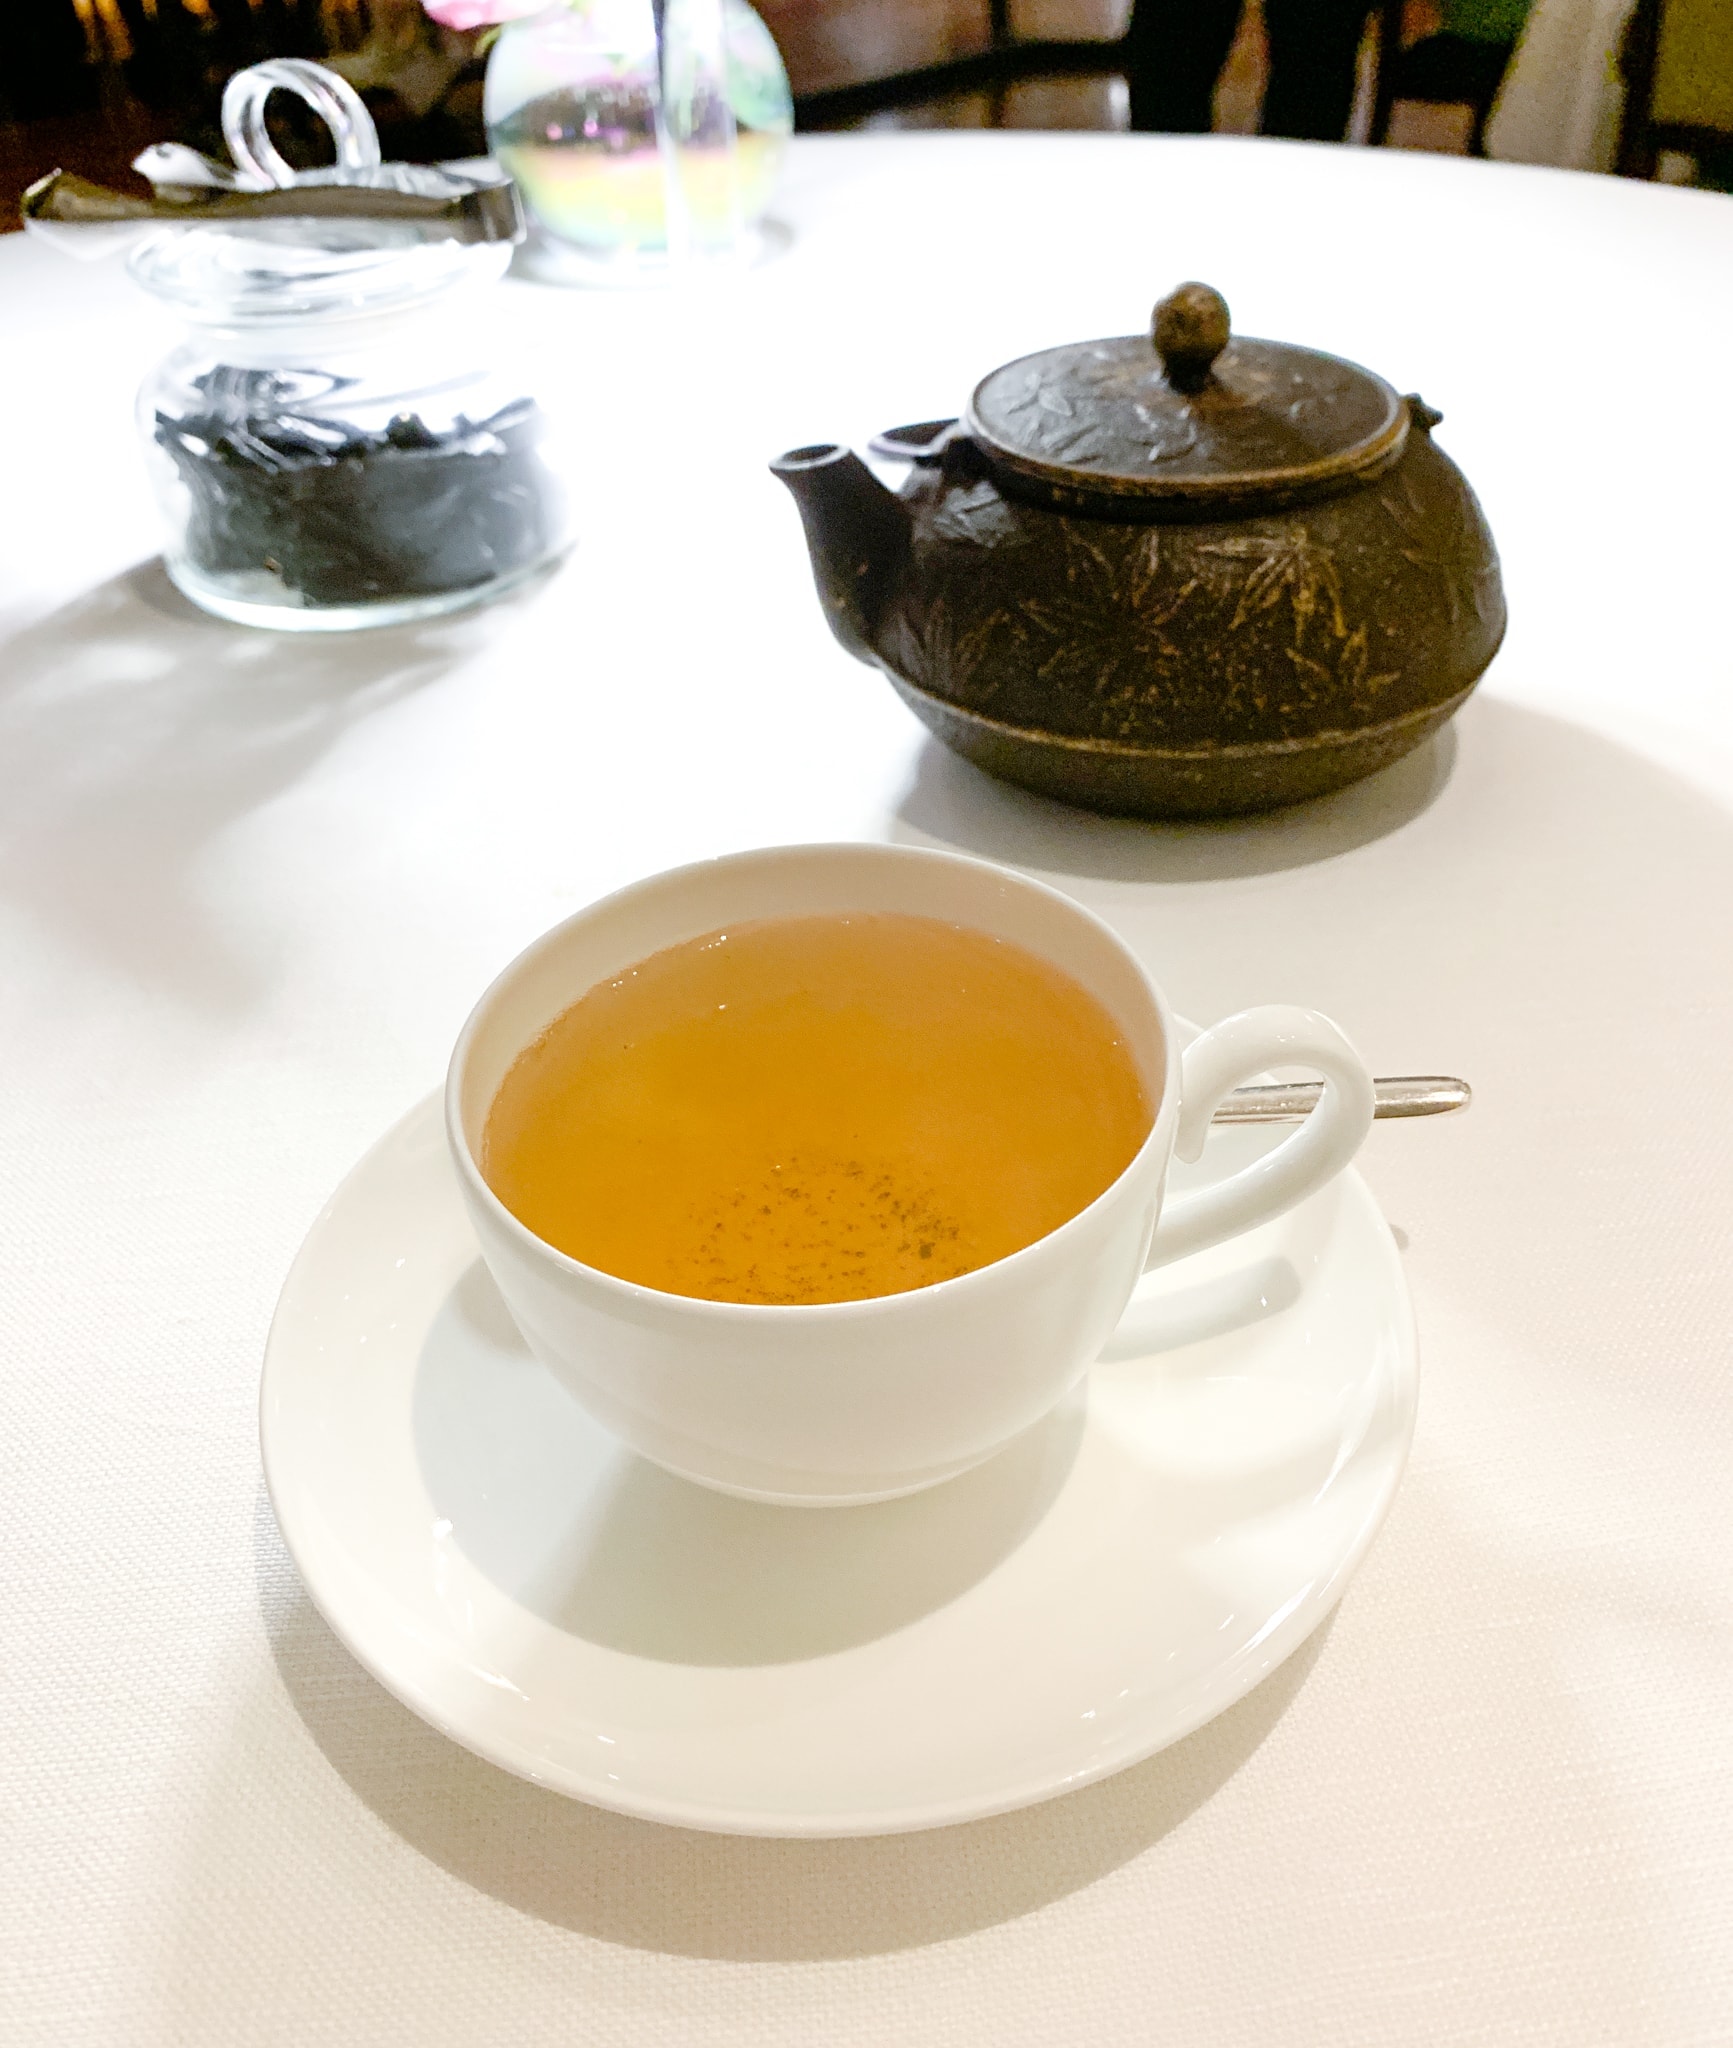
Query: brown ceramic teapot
[{"x": 1204, "y": 576}]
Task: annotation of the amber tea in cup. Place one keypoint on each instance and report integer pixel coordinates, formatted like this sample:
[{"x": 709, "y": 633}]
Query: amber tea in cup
[{"x": 816, "y": 1109}]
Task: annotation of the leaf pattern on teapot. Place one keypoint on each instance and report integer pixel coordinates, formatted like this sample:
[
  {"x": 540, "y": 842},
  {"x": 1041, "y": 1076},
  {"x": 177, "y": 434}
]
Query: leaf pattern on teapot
[
  {"x": 1294, "y": 566},
  {"x": 939, "y": 656},
  {"x": 1352, "y": 662},
  {"x": 1055, "y": 636},
  {"x": 1114, "y": 626},
  {"x": 1289, "y": 564},
  {"x": 1100, "y": 582},
  {"x": 977, "y": 515}
]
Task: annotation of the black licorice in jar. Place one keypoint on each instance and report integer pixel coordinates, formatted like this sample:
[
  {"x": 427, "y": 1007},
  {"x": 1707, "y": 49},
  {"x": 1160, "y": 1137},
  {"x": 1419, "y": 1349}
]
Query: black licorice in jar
[
  {"x": 340, "y": 442},
  {"x": 299, "y": 503}
]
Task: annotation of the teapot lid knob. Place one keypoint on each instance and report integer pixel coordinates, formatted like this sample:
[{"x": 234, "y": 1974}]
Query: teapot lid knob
[{"x": 1190, "y": 329}]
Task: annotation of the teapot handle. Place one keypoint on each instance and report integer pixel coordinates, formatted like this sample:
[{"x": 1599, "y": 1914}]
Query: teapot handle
[{"x": 922, "y": 442}]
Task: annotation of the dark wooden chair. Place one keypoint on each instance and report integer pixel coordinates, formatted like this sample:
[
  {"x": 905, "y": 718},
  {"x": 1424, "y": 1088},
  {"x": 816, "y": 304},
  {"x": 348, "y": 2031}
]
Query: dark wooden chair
[
  {"x": 1443, "y": 69},
  {"x": 1438, "y": 70},
  {"x": 1677, "y": 60},
  {"x": 1008, "y": 60}
]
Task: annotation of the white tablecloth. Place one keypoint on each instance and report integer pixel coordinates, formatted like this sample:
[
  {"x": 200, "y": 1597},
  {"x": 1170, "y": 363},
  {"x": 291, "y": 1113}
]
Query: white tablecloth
[{"x": 249, "y": 886}]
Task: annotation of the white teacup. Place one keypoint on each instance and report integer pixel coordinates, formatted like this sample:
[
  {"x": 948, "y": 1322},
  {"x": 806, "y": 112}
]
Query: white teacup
[{"x": 850, "y": 1401}]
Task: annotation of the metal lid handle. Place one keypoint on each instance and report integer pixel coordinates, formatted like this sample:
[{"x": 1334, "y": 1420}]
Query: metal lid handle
[{"x": 1190, "y": 329}]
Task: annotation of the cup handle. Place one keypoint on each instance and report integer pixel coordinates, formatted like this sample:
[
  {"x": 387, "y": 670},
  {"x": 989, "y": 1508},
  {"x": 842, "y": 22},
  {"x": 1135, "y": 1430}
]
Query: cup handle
[{"x": 1226, "y": 1057}]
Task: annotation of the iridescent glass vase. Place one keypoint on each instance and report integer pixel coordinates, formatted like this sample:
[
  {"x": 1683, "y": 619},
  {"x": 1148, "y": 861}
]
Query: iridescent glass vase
[{"x": 640, "y": 132}]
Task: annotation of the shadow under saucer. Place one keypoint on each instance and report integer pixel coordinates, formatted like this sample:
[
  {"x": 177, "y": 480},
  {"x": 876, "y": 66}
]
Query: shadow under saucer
[{"x": 736, "y": 1898}]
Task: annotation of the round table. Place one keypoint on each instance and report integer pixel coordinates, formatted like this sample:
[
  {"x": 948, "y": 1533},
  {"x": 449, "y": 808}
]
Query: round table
[{"x": 250, "y": 884}]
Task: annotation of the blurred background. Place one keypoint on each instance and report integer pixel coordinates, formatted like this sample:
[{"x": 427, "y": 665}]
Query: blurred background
[{"x": 1645, "y": 89}]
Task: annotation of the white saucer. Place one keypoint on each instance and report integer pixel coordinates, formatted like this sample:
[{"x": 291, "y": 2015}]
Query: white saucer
[{"x": 1132, "y": 1566}]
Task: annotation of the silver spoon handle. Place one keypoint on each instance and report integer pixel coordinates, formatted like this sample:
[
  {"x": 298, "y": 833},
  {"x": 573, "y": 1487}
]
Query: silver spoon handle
[{"x": 1290, "y": 1102}]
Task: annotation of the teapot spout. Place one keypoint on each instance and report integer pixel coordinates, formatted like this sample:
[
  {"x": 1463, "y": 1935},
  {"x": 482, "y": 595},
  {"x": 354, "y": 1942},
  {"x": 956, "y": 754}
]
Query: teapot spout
[{"x": 857, "y": 533}]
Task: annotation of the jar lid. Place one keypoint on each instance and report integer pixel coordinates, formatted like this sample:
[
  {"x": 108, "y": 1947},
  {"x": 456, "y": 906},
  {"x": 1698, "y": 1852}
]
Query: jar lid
[
  {"x": 251, "y": 272},
  {"x": 1189, "y": 414},
  {"x": 302, "y": 268}
]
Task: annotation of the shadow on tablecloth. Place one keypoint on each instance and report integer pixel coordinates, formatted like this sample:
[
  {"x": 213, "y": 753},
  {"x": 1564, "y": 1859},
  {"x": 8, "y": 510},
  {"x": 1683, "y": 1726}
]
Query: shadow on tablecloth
[
  {"x": 135, "y": 730},
  {"x": 728, "y": 1897},
  {"x": 950, "y": 803}
]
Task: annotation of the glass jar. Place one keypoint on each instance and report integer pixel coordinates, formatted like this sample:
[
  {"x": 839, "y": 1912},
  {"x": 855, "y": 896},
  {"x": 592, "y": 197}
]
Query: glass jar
[{"x": 337, "y": 443}]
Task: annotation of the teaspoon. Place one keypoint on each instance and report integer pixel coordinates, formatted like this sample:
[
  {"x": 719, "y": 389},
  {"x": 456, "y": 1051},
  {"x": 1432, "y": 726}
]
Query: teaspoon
[{"x": 1290, "y": 1102}]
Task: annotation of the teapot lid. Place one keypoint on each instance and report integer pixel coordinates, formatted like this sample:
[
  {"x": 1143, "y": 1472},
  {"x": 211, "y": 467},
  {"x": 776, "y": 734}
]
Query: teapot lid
[{"x": 1190, "y": 414}]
